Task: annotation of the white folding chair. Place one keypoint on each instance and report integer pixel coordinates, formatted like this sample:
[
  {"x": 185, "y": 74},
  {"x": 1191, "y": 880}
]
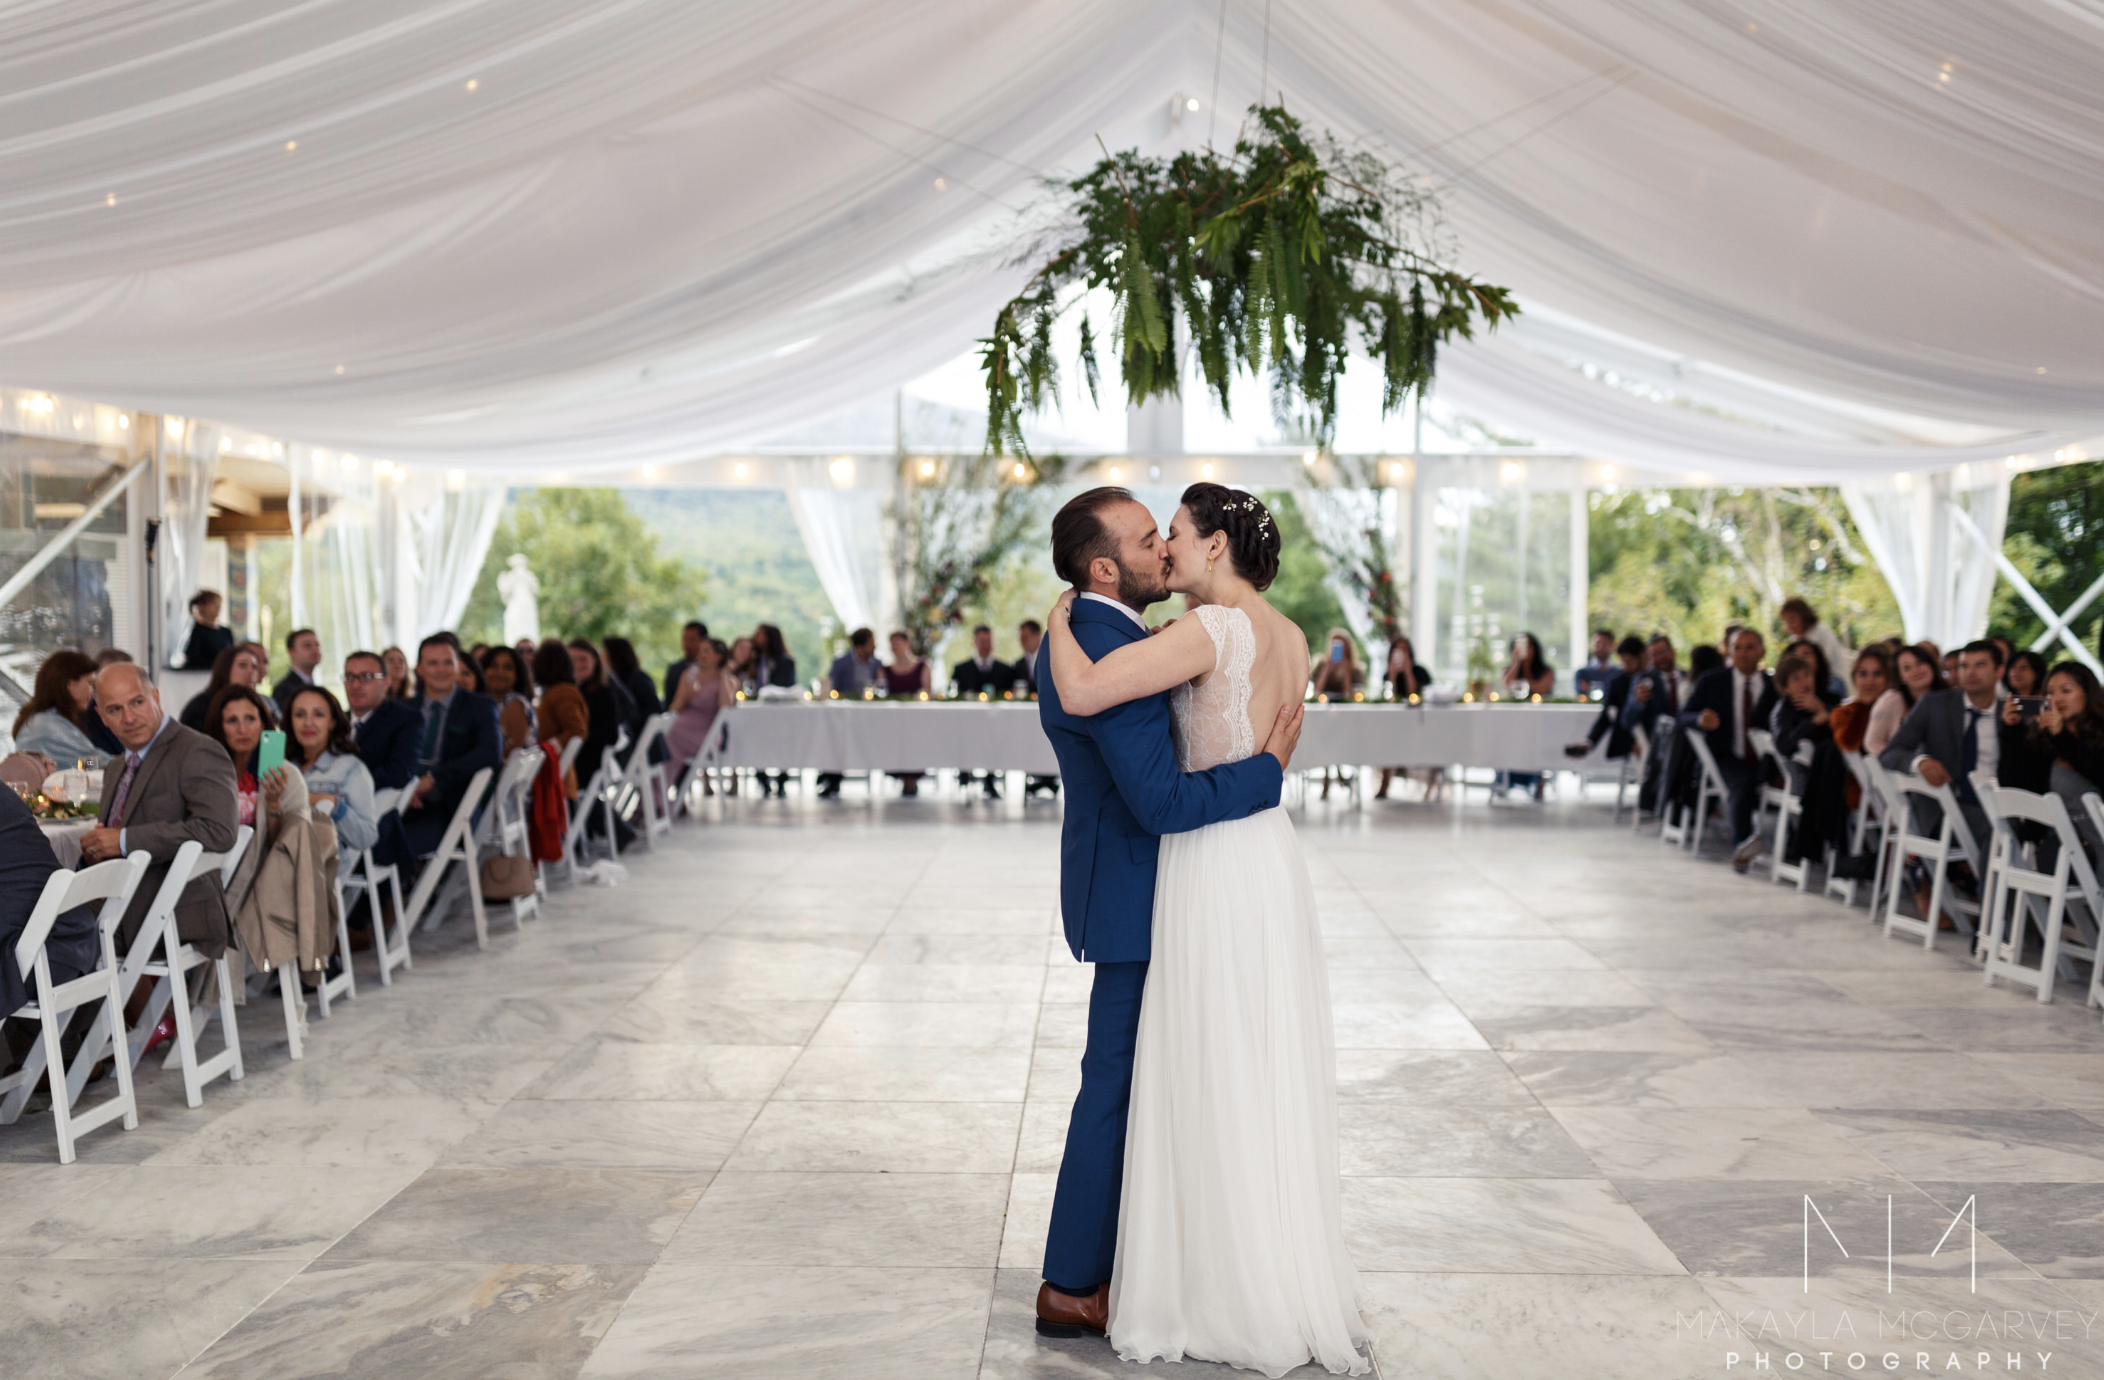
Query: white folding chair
[
  {"x": 456, "y": 845},
  {"x": 1788, "y": 802},
  {"x": 647, "y": 780},
  {"x": 1658, "y": 751},
  {"x": 1891, "y": 819},
  {"x": 391, "y": 948},
  {"x": 696, "y": 768},
  {"x": 113, "y": 883},
  {"x": 1631, "y": 767},
  {"x": 2093, "y": 806},
  {"x": 1951, "y": 842},
  {"x": 1867, "y": 817},
  {"x": 2019, "y": 892},
  {"x": 505, "y": 831},
  {"x": 598, "y": 795},
  {"x": 171, "y": 970},
  {"x": 1686, "y": 830}
]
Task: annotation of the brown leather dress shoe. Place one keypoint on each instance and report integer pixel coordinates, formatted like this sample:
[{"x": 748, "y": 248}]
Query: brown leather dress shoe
[{"x": 1064, "y": 1315}]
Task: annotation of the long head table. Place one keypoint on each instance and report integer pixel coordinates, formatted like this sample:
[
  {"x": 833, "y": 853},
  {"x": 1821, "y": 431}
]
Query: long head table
[{"x": 845, "y": 736}]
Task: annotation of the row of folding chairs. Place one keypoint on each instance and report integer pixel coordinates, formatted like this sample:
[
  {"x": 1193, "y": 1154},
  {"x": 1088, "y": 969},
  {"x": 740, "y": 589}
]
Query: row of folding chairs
[{"x": 2020, "y": 897}]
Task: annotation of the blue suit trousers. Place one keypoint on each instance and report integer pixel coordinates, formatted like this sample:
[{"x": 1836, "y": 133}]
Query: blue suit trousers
[{"x": 1083, "y": 1240}]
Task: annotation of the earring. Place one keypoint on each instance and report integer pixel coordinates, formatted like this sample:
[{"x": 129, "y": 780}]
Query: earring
[{"x": 1209, "y": 565}]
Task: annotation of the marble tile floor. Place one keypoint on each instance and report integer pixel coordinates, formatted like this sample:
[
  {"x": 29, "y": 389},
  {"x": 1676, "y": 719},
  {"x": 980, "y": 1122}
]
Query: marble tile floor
[{"x": 791, "y": 1101}]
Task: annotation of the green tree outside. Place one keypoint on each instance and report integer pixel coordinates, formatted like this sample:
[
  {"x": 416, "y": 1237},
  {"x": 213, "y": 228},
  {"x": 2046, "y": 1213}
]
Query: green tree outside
[
  {"x": 600, "y": 570},
  {"x": 2055, "y": 537}
]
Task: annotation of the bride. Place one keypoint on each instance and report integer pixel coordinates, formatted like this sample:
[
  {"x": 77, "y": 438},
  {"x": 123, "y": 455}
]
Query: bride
[{"x": 1230, "y": 1238}]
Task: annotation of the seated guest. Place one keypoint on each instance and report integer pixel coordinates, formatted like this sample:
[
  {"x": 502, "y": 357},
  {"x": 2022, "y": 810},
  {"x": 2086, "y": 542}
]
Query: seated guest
[
  {"x": 1629, "y": 701},
  {"x": 171, "y": 786},
  {"x": 507, "y": 680},
  {"x": 72, "y": 948},
  {"x": 387, "y": 732},
  {"x": 2061, "y": 748},
  {"x": 1948, "y": 735},
  {"x": 303, "y": 649},
  {"x": 772, "y": 664},
  {"x": 624, "y": 670},
  {"x": 981, "y": 674},
  {"x": 705, "y": 690},
  {"x": 1804, "y": 713},
  {"x": 237, "y": 721},
  {"x": 1869, "y": 678},
  {"x": 904, "y": 678},
  {"x": 339, "y": 787},
  {"x": 1915, "y": 673},
  {"x": 1727, "y": 704},
  {"x": 742, "y": 661},
  {"x": 1801, "y": 621},
  {"x": 400, "y": 684},
  {"x": 1030, "y": 634},
  {"x": 1599, "y": 670},
  {"x": 854, "y": 671},
  {"x": 608, "y": 709},
  {"x": 53, "y": 720},
  {"x": 1405, "y": 678},
  {"x": 691, "y": 637},
  {"x": 1334, "y": 674},
  {"x": 207, "y": 639},
  {"x": 1830, "y": 687},
  {"x": 460, "y": 738},
  {"x": 1528, "y": 673},
  {"x": 1673, "y": 682},
  {"x": 2024, "y": 674},
  {"x": 562, "y": 714},
  {"x": 237, "y": 665}
]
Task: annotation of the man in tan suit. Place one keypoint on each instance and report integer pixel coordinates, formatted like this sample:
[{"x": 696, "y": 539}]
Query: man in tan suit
[{"x": 171, "y": 785}]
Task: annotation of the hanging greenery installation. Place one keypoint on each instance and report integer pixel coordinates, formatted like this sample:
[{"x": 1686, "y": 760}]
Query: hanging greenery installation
[{"x": 1276, "y": 259}]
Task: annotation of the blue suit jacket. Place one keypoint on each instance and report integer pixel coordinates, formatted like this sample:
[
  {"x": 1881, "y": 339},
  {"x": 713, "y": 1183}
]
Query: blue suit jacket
[
  {"x": 1124, "y": 790},
  {"x": 390, "y": 742}
]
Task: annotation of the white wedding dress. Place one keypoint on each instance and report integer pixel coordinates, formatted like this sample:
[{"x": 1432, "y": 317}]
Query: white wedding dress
[{"x": 1230, "y": 1232}]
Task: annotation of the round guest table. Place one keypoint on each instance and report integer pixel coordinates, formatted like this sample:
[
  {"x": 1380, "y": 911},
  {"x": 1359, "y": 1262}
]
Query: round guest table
[
  {"x": 844, "y": 736},
  {"x": 64, "y": 836}
]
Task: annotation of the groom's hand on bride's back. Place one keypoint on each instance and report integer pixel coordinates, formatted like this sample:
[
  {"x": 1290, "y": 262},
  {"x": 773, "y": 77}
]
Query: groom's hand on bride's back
[{"x": 1285, "y": 733}]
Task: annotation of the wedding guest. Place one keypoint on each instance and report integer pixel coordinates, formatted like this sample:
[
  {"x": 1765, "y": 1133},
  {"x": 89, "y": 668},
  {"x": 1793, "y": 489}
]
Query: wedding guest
[
  {"x": 742, "y": 663},
  {"x": 1727, "y": 704},
  {"x": 982, "y": 674},
  {"x": 1527, "y": 674},
  {"x": 1869, "y": 678},
  {"x": 1672, "y": 681},
  {"x": 73, "y": 947},
  {"x": 854, "y": 671},
  {"x": 207, "y": 639},
  {"x": 1600, "y": 668},
  {"x": 1948, "y": 735},
  {"x": 562, "y": 714},
  {"x": 2025, "y": 674},
  {"x": 1829, "y": 682},
  {"x": 338, "y": 784},
  {"x": 506, "y": 679},
  {"x": 1335, "y": 671},
  {"x": 386, "y": 730},
  {"x": 525, "y": 648},
  {"x": 1950, "y": 665},
  {"x": 603, "y": 712},
  {"x": 1030, "y": 635},
  {"x": 173, "y": 786},
  {"x": 691, "y": 637},
  {"x": 237, "y": 721},
  {"x": 1801, "y": 621},
  {"x": 772, "y": 664},
  {"x": 1803, "y": 713},
  {"x": 237, "y": 665},
  {"x": 1915, "y": 673},
  {"x": 91, "y": 723},
  {"x": 906, "y": 677},
  {"x": 624, "y": 669},
  {"x": 1405, "y": 678},
  {"x": 53, "y": 719},
  {"x": 1628, "y": 702},
  {"x": 705, "y": 690},
  {"x": 2060, "y": 749},
  {"x": 2005, "y": 648},
  {"x": 460, "y": 738},
  {"x": 470, "y": 678},
  {"x": 303, "y": 649},
  {"x": 395, "y": 662}
]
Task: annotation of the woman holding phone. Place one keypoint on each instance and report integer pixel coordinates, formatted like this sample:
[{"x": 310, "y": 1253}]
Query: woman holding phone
[
  {"x": 2056, "y": 743},
  {"x": 238, "y": 718},
  {"x": 1336, "y": 675},
  {"x": 338, "y": 785}
]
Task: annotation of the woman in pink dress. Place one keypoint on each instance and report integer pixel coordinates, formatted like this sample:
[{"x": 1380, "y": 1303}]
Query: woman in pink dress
[{"x": 704, "y": 690}]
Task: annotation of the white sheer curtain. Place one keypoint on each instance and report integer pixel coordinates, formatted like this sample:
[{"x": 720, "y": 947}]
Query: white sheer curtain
[
  {"x": 1340, "y": 519},
  {"x": 844, "y": 533},
  {"x": 1938, "y": 573},
  {"x": 444, "y": 530},
  {"x": 190, "y": 463}
]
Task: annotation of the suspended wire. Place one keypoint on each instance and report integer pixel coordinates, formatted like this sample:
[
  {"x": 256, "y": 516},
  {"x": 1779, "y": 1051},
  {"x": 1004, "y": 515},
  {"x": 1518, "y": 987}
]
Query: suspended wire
[
  {"x": 1212, "y": 110},
  {"x": 1559, "y": 117}
]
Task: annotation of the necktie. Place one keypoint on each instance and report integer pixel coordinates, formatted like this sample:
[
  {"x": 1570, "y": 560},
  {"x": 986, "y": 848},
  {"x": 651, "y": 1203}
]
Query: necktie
[
  {"x": 1746, "y": 718},
  {"x": 1968, "y": 757},
  {"x": 432, "y": 719},
  {"x": 124, "y": 785}
]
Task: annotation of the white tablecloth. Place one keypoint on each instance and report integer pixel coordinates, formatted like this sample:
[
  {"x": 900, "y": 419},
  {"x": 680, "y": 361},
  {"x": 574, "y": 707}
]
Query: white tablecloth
[
  {"x": 836, "y": 736},
  {"x": 64, "y": 836}
]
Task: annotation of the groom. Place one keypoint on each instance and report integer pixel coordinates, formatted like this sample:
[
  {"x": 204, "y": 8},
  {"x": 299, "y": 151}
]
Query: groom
[{"x": 1124, "y": 790}]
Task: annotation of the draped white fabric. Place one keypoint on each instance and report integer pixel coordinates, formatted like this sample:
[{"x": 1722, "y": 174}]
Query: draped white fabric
[
  {"x": 1340, "y": 519},
  {"x": 843, "y": 532},
  {"x": 191, "y": 463},
  {"x": 445, "y": 535},
  {"x": 1938, "y": 572},
  {"x": 1823, "y": 237}
]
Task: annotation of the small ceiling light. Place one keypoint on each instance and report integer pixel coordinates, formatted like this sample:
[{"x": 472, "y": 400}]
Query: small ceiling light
[
  {"x": 339, "y": 368},
  {"x": 473, "y": 83},
  {"x": 1308, "y": 457},
  {"x": 2041, "y": 368},
  {"x": 1191, "y": 104},
  {"x": 175, "y": 427},
  {"x": 941, "y": 185},
  {"x": 1205, "y": 471},
  {"x": 1116, "y": 473},
  {"x": 1020, "y": 471},
  {"x": 292, "y": 145},
  {"x": 456, "y": 480},
  {"x": 1607, "y": 472},
  {"x": 927, "y": 469},
  {"x": 350, "y": 464},
  {"x": 1512, "y": 472},
  {"x": 739, "y": 469},
  {"x": 398, "y": 474},
  {"x": 650, "y": 471},
  {"x": 111, "y": 200},
  {"x": 124, "y": 421},
  {"x": 843, "y": 470},
  {"x": 79, "y": 420},
  {"x": 277, "y": 448},
  {"x": 226, "y": 444}
]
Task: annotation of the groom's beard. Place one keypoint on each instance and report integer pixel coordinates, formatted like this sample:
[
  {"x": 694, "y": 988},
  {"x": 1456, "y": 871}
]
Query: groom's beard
[{"x": 1138, "y": 588}]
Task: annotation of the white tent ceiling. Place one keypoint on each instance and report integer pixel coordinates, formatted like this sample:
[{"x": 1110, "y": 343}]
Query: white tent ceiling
[{"x": 1764, "y": 239}]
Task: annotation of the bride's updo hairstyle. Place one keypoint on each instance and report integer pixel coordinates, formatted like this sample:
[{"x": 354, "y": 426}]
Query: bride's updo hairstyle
[{"x": 1252, "y": 535}]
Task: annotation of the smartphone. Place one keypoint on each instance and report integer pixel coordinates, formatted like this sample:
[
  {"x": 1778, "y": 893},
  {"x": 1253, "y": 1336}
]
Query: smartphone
[
  {"x": 2028, "y": 707},
  {"x": 270, "y": 753},
  {"x": 1336, "y": 651}
]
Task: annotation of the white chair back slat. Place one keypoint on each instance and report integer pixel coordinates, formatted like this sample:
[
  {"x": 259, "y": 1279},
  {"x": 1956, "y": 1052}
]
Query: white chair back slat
[
  {"x": 1951, "y": 843},
  {"x": 1711, "y": 793},
  {"x": 456, "y": 845},
  {"x": 113, "y": 883},
  {"x": 2021, "y": 894}
]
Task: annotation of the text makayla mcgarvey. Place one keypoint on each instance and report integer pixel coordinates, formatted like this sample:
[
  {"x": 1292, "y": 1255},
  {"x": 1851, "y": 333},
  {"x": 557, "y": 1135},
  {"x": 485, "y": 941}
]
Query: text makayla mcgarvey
[{"x": 1918, "y": 1340}]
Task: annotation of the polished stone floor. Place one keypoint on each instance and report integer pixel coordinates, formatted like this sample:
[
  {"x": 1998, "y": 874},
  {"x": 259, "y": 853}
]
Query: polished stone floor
[{"x": 790, "y": 1102}]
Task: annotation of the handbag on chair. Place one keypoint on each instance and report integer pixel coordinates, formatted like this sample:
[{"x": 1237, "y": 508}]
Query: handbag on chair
[{"x": 505, "y": 877}]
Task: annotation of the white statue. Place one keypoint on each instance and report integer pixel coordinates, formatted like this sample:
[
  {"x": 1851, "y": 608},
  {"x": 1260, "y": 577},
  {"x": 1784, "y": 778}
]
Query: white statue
[{"x": 520, "y": 591}]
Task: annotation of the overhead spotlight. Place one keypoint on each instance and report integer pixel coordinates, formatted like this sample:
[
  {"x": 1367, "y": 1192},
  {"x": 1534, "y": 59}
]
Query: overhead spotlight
[
  {"x": 738, "y": 469},
  {"x": 927, "y": 469},
  {"x": 110, "y": 200},
  {"x": 277, "y": 448},
  {"x": 473, "y": 83},
  {"x": 226, "y": 444},
  {"x": 175, "y": 428},
  {"x": 843, "y": 470},
  {"x": 124, "y": 421},
  {"x": 456, "y": 480},
  {"x": 1191, "y": 104},
  {"x": 941, "y": 185},
  {"x": 1021, "y": 471},
  {"x": 1115, "y": 473},
  {"x": 650, "y": 471},
  {"x": 1205, "y": 471},
  {"x": 79, "y": 420},
  {"x": 350, "y": 464},
  {"x": 339, "y": 368},
  {"x": 1512, "y": 472},
  {"x": 292, "y": 145},
  {"x": 1607, "y": 472}
]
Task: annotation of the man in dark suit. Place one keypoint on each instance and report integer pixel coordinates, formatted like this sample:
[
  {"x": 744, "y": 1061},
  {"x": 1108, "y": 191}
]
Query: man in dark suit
[
  {"x": 172, "y": 785},
  {"x": 1632, "y": 700},
  {"x": 852, "y": 672},
  {"x": 1951, "y": 733},
  {"x": 458, "y": 736},
  {"x": 303, "y": 649},
  {"x": 1124, "y": 791},
  {"x": 690, "y": 639},
  {"x": 981, "y": 674},
  {"x": 1031, "y": 636},
  {"x": 1727, "y": 704},
  {"x": 387, "y": 731},
  {"x": 72, "y": 948}
]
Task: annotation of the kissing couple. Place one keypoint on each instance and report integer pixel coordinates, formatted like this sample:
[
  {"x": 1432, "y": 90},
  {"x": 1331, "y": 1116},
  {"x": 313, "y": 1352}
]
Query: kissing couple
[{"x": 1197, "y": 1212}]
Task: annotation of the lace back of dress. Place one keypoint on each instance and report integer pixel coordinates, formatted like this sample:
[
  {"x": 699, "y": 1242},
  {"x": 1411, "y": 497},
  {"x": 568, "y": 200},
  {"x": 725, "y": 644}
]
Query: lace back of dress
[{"x": 1212, "y": 720}]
